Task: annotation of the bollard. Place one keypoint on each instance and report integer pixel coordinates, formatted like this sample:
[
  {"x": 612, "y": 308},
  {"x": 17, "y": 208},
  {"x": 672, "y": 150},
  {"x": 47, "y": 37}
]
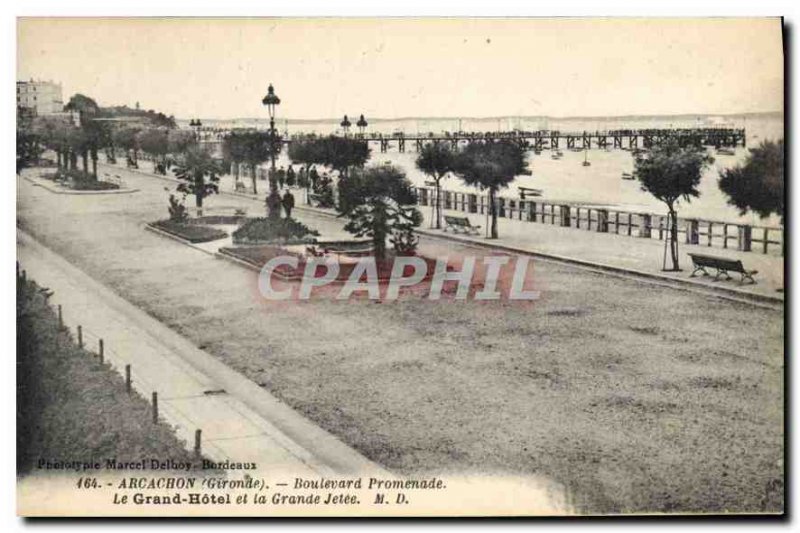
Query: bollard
[
  {"x": 692, "y": 231},
  {"x": 80, "y": 336},
  {"x": 745, "y": 240},
  {"x": 101, "y": 350},
  {"x": 645, "y": 225},
  {"x": 197, "y": 441},
  {"x": 566, "y": 220},
  {"x": 128, "y": 379},
  {"x": 60, "y": 318},
  {"x": 602, "y": 221},
  {"x": 155, "y": 407}
]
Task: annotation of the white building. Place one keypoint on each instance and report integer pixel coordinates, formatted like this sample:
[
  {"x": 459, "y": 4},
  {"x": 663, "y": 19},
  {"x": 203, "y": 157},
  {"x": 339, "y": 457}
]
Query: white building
[{"x": 43, "y": 97}]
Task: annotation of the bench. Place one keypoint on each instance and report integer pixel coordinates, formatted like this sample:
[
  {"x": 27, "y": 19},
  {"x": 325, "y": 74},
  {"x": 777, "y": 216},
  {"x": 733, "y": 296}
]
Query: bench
[
  {"x": 723, "y": 267},
  {"x": 460, "y": 225}
]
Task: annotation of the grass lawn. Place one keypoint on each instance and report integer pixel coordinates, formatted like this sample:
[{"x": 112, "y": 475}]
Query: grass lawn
[
  {"x": 72, "y": 408},
  {"x": 190, "y": 232}
]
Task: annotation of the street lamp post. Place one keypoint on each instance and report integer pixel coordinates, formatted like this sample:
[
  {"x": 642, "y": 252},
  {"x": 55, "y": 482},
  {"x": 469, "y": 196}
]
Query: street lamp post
[
  {"x": 362, "y": 125},
  {"x": 271, "y": 100},
  {"x": 345, "y": 124}
]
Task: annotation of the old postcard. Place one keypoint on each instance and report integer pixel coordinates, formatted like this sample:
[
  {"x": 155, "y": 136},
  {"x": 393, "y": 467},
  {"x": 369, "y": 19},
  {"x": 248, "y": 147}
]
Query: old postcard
[{"x": 400, "y": 267}]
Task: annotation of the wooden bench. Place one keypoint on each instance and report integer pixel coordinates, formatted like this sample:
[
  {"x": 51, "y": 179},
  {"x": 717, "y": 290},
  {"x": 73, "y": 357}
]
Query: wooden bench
[
  {"x": 460, "y": 225},
  {"x": 723, "y": 267}
]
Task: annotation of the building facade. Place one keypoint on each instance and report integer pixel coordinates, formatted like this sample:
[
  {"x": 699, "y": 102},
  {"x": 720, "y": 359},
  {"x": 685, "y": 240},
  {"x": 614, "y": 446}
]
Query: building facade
[{"x": 40, "y": 97}]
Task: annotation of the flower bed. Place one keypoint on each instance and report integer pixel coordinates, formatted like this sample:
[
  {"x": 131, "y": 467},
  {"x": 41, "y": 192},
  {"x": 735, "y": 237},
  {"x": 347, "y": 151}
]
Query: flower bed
[
  {"x": 227, "y": 220},
  {"x": 266, "y": 231},
  {"x": 191, "y": 232},
  {"x": 78, "y": 180},
  {"x": 259, "y": 255}
]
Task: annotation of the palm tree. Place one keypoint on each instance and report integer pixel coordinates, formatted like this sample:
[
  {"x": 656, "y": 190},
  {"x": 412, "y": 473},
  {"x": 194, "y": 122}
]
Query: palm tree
[{"x": 194, "y": 166}]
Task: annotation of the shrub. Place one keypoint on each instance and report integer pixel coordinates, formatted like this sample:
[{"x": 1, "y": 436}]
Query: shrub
[
  {"x": 177, "y": 209},
  {"x": 265, "y": 230}
]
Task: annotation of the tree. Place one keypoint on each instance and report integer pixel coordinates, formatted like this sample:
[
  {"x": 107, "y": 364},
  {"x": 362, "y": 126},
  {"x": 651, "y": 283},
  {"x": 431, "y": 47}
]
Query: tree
[
  {"x": 179, "y": 141},
  {"x": 758, "y": 184},
  {"x": 155, "y": 142},
  {"x": 379, "y": 203},
  {"x": 194, "y": 165},
  {"x": 437, "y": 160},
  {"x": 29, "y": 149},
  {"x": 82, "y": 104},
  {"x": 128, "y": 140},
  {"x": 671, "y": 172},
  {"x": 338, "y": 153},
  {"x": 233, "y": 149},
  {"x": 491, "y": 166}
]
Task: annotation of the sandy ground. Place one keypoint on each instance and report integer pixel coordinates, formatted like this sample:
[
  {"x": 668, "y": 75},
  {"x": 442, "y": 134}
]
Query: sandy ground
[{"x": 635, "y": 397}]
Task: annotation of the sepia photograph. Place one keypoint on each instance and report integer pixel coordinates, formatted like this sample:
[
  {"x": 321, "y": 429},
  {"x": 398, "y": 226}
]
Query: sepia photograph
[{"x": 400, "y": 266}]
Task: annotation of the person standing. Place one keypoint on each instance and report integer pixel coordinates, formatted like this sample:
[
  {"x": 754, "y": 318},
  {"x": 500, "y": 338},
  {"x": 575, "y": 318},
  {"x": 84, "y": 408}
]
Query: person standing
[
  {"x": 290, "y": 177},
  {"x": 288, "y": 203}
]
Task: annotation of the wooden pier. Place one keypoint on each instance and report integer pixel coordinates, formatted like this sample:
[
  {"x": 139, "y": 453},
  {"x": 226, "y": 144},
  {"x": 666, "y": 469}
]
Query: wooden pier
[
  {"x": 623, "y": 139},
  {"x": 585, "y": 140}
]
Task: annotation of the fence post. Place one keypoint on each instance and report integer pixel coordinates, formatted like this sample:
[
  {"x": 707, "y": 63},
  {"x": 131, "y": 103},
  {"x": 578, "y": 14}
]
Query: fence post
[
  {"x": 155, "y": 407},
  {"x": 532, "y": 211},
  {"x": 80, "y": 337},
  {"x": 128, "y": 379},
  {"x": 766, "y": 239},
  {"x": 745, "y": 238},
  {"x": 578, "y": 217},
  {"x": 724, "y": 235},
  {"x": 60, "y": 318},
  {"x": 101, "y": 350},
  {"x": 616, "y": 222},
  {"x": 692, "y": 231},
  {"x": 602, "y": 221},
  {"x": 645, "y": 225},
  {"x": 197, "y": 441},
  {"x": 630, "y": 224},
  {"x": 566, "y": 220}
]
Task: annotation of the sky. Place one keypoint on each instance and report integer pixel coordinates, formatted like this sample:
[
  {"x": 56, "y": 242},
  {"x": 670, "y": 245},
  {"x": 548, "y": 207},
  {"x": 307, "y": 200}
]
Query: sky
[{"x": 391, "y": 68}]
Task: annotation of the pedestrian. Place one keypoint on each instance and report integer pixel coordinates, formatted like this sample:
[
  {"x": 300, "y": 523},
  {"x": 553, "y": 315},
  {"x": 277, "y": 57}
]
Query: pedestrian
[
  {"x": 281, "y": 177},
  {"x": 313, "y": 176},
  {"x": 288, "y": 203},
  {"x": 290, "y": 177}
]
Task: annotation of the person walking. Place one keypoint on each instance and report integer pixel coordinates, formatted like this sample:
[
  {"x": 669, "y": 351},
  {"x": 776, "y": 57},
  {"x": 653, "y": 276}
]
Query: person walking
[
  {"x": 290, "y": 177},
  {"x": 288, "y": 203}
]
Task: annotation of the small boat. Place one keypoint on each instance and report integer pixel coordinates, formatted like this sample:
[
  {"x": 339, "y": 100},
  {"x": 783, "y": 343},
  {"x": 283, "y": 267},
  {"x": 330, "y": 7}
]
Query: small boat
[
  {"x": 627, "y": 176},
  {"x": 726, "y": 151}
]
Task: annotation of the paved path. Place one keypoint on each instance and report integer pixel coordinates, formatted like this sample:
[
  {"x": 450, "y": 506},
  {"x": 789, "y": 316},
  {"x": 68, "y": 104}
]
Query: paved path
[
  {"x": 616, "y": 252},
  {"x": 245, "y": 423}
]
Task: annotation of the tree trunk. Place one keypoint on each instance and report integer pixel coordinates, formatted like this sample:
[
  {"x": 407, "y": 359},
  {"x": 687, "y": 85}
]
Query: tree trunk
[
  {"x": 673, "y": 239},
  {"x": 253, "y": 176},
  {"x": 73, "y": 160},
  {"x": 94, "y": 164},
  {"x": 85, "y": 161},
  {"x": 493, "y": 213},
  {"x": 438, "y": 205},
  {"x": 199, "y": 191}
]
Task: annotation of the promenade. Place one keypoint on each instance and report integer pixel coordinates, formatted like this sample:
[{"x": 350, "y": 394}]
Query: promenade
[
  {"x": 420, "y": 387},
  {"x": 642, "y": 258}
]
